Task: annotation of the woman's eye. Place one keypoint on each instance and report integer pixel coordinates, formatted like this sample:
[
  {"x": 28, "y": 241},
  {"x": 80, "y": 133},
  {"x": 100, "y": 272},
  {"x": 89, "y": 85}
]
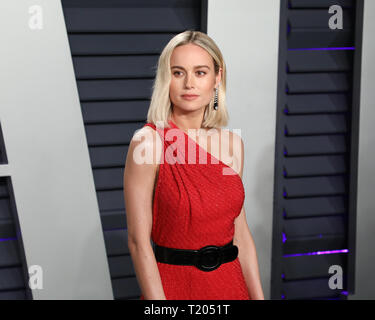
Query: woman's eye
[{"x": 201, "y": 73}]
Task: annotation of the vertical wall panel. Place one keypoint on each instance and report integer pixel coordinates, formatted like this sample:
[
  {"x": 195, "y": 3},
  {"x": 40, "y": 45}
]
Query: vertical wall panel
[
  {"x": 365, "y": 205},
  {"x": 14, "y": 275},
  {"x": 48, "y": 162},
  {"x": 314, "y": 180}
]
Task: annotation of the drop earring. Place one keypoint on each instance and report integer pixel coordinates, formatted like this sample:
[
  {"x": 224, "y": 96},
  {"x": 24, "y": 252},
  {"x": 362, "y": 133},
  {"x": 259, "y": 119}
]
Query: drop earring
[{"x": 215, "y": 101}]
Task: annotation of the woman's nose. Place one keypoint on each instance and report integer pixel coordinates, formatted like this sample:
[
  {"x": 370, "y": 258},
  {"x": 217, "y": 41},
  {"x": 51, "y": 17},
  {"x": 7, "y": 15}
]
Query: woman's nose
[{"x": 189, "y": 80}]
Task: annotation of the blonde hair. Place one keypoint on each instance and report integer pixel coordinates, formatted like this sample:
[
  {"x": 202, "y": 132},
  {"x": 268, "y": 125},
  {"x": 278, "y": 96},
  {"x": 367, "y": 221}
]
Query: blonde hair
[{"x": 161, "y": 108}]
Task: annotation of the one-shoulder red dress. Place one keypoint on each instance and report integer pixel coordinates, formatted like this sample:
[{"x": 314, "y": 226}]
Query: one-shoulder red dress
[{"x": 194, "y": 206}]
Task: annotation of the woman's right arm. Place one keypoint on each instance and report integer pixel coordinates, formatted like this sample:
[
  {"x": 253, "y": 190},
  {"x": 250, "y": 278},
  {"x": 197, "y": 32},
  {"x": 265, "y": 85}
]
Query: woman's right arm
[{"x": 139, "y": 180}]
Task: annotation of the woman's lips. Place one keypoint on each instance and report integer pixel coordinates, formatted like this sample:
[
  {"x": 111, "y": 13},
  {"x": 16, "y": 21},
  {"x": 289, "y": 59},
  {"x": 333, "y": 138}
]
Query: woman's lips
[{"x": 189, "y": 96}]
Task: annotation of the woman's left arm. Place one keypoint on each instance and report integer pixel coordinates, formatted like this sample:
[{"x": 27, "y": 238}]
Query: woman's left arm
[
  {"x": 244, "y": 241},
  {"x": 248, "y": 257}
]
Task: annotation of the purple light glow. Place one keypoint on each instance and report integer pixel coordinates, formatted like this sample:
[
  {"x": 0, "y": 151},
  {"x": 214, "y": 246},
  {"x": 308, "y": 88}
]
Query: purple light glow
[
  {"x": 337, "y": 48},
  {"x": 345, "y": 293},
  {"x": 8, "y": 239},
  {"x": 284, "y": 237},
  {"x": 317, "y": 253}
]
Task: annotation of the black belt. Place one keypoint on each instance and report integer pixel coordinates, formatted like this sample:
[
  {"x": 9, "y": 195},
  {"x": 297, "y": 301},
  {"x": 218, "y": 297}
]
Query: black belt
[{"x": 206, "y": 259}]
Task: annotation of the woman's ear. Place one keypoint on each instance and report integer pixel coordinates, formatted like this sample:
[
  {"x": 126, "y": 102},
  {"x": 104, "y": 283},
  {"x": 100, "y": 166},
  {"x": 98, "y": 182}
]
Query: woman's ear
[{"x": 218, "y": 78}]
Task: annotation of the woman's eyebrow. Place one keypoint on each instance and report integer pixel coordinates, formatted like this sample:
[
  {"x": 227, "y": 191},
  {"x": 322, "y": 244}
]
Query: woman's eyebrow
[{"x": 200, "y": 66}]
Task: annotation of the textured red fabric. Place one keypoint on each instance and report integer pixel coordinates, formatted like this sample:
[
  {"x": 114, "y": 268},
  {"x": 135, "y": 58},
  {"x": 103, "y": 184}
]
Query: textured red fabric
[{"x": 194, "y": 206}]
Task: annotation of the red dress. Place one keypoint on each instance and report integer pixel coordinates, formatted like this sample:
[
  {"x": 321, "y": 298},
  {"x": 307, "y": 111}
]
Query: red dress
[{"x": 194, "y": 206}]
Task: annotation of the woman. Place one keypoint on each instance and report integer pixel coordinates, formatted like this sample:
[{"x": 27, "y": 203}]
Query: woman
[{"x": 190, "y": 203}]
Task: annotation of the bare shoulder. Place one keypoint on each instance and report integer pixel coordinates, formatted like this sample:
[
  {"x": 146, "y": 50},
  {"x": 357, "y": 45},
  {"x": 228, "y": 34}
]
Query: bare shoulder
[
  {"x": 145, "y": 132},
  {"x": 237, "y": 139},
  {"x": 238, "y": 152},
  {"x": 233, "y": 142},
  {"x": 233, "y": 138},
  {"x": 145, "y": 146}
]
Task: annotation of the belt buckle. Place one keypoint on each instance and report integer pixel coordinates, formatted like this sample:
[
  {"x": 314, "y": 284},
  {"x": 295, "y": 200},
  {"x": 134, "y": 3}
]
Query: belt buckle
[{"x": 209, "y": 258}]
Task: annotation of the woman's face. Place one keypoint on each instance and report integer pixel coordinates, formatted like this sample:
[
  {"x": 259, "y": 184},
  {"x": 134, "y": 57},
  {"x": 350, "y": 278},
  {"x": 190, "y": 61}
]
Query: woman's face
[{"x": 192, "y": 73}]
